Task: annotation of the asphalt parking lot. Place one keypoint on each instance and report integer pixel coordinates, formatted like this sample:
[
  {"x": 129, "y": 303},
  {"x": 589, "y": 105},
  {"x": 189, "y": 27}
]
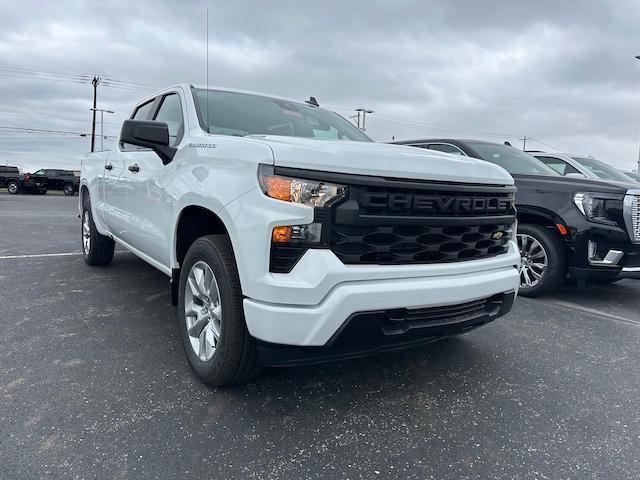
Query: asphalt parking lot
[{"x": 94, "y": 384}]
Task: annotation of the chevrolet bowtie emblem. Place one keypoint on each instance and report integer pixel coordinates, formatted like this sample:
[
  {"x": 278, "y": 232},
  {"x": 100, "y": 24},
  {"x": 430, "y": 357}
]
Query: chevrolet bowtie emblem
[{"x": 497, "y": 235}]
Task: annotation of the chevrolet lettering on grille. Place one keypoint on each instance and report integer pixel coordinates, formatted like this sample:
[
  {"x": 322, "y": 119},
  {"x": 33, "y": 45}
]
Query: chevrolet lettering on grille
[{"x": 437, "y": 204}]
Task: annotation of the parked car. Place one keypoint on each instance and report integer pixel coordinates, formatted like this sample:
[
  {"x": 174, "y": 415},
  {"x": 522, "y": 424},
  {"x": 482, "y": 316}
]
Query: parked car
[
  {"x": 568, "y": 164},
  {"x": 10, "y": 178},
  {"x": 64, "y": 180},
  {"x": 586, "y": 229},
  {"x": 290, "y": 237}
]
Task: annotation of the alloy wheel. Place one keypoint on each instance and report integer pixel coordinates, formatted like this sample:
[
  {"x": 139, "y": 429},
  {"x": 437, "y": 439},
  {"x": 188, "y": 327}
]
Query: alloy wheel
[
  {"x": 534, "y": 260},
  {"x": 203, "y": 311},
  {"x": 13, "y": 188},
  {"x": 86, "y": 233}
]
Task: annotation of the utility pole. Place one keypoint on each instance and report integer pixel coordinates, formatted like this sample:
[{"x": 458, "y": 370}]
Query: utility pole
[
  {"x": 94, "y": 82},
  {"x": 364, "y": 112},
  {"x": 524, "y": 143}
]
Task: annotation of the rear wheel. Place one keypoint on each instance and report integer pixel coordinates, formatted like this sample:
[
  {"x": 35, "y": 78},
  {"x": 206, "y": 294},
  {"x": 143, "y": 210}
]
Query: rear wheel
[
  {"x": 69, "y": 189},
  {"x": 214, "y": 334},
  {"x": 13, "y": 187},
  {"x": 543, "y": 267},
  {"x": 96, "y": 248}
]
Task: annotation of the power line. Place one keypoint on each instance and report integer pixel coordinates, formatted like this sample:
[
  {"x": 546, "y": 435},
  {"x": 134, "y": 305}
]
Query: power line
[
  {"x": 50, "y": 117},
  {"x": 44, "y": 130}
]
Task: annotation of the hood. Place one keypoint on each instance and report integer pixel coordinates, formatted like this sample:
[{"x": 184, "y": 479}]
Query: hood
[
  {"x": 380, "y": 159},
  {"x": 560, "y": 183}
]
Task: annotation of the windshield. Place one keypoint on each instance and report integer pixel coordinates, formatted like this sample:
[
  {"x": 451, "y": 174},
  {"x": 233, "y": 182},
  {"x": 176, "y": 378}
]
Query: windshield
[
  {"x": 241, "y": 114},
  {"x": 602, "y": 170},
  {"x": 511, "y": 159}
]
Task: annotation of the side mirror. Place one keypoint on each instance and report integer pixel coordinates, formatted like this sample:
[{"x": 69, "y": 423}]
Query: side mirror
[
  {"x": 153, "y": 135},
  {"x": 575, "y": 175}
]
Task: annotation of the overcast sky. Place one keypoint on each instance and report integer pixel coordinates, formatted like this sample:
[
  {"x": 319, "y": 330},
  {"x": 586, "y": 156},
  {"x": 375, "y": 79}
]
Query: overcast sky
[{"x": 562, "y": 73}]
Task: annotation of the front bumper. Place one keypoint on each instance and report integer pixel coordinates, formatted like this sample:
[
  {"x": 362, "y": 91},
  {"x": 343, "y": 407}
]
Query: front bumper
[
  {"x": 315, "y": 325},
  {"x": 371, "y": 332},
  {"x": 607, "y": 240}
]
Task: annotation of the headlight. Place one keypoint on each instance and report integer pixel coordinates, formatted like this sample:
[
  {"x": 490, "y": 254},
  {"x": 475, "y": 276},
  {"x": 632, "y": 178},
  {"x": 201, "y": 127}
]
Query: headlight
[
  {"x": 313, "y": 193},
  {"x": 605, "y": 208}
]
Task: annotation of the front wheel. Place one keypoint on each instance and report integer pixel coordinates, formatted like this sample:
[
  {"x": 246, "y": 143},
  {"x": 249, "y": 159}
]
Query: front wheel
[
  {"x": 543, "y": 268},
  {"x": 96, "y": 248},
  {"x": 211, "y": 320},
  {"x": 13, "y": 187},
  {"x": 69, "y": 190}
]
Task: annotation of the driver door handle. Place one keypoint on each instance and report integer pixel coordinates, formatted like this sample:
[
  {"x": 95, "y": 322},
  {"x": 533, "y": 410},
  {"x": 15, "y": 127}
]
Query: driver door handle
[
  {"x": 108, "y": 166},
  {"x": 134, "y": 168}
]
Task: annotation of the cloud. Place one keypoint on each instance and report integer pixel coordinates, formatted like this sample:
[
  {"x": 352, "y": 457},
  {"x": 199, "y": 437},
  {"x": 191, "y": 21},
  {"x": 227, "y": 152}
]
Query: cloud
[{"x": 495, "y": 70}]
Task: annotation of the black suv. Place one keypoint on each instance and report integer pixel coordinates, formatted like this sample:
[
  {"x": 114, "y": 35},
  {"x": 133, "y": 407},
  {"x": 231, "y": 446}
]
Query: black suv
[
  {"x": 64, "y": 180},
  {"x": 567, "y": 227},
  {"x": 10, "y": 179}
]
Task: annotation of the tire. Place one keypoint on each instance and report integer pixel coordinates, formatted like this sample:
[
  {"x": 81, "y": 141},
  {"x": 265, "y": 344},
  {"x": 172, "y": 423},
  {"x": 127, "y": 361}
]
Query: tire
[
  {"x": 550, "y": 278},
  {"x": 231, "y": 357},
  {"x": 42, "y": 191},
  {"x": 97, "y": 249},
  {"x": 69, "y": 189},
  {"x": 13, "y": 187}
]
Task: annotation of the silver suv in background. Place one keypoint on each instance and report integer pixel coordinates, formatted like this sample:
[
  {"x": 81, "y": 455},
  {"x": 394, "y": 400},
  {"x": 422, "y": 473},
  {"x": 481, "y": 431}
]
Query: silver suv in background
[{"x": 571, "y": 165}]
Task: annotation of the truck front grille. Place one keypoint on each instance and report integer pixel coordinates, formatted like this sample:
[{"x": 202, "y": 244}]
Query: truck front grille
[
  {"x": 418, "y": 243},
  {"x": 424, "y": 223}
]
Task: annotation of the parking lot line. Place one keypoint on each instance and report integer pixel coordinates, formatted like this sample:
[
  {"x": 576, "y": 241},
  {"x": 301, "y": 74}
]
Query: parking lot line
[
  {"x": 39, "y": 255},
  {"x": 591, "y": 311},
  {"x": 42, "y": 255}
]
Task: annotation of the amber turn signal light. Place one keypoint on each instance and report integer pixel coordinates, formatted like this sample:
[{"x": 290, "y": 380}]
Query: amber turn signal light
[
  {"x": 278, "y": 188},
  {"x": 281, "y": 234}
]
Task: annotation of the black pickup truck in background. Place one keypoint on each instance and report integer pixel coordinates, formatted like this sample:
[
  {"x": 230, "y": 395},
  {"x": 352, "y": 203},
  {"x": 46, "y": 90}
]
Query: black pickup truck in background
[
  {"x": 64, "y": 180},
  {"x": 10, "y": 178},
  {"x": 15, "y": 182}
]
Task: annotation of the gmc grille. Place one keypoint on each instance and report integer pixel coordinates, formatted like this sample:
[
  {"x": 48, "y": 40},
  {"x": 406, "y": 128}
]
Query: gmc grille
[{"x": 635, "y": 218}]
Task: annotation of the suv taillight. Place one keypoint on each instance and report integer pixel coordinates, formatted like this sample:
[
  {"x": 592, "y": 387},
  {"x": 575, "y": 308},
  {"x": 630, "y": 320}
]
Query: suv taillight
[{"x": 27, "y": 177}]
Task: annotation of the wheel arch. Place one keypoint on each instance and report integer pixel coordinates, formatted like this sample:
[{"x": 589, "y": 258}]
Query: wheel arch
[
  {"x": 193, "y": 222},
  {"x": 545, "y": 218}
]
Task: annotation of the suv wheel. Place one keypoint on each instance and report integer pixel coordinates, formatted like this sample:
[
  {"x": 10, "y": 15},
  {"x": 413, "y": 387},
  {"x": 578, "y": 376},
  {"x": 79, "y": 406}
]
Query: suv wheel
[
  {"x": 543, "y": 267},
  {"x": 13, "y": 187},
  {"x": 96, "y": 248},
  {"x": 69, "y": 190},
  {"x": 214, "y": 334}
]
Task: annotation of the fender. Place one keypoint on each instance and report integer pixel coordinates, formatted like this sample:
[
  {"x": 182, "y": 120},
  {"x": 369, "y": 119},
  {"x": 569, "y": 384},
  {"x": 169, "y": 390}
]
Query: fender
[{"x": 552, "y": 217}]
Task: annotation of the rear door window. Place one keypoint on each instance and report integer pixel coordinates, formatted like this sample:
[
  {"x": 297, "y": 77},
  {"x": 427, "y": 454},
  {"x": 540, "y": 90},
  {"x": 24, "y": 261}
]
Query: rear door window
[{"x": 558, "y": 165}]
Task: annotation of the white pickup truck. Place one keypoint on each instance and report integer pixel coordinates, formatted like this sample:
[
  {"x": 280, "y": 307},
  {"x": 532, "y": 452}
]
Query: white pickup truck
[{"x": 290, "y": 237}]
